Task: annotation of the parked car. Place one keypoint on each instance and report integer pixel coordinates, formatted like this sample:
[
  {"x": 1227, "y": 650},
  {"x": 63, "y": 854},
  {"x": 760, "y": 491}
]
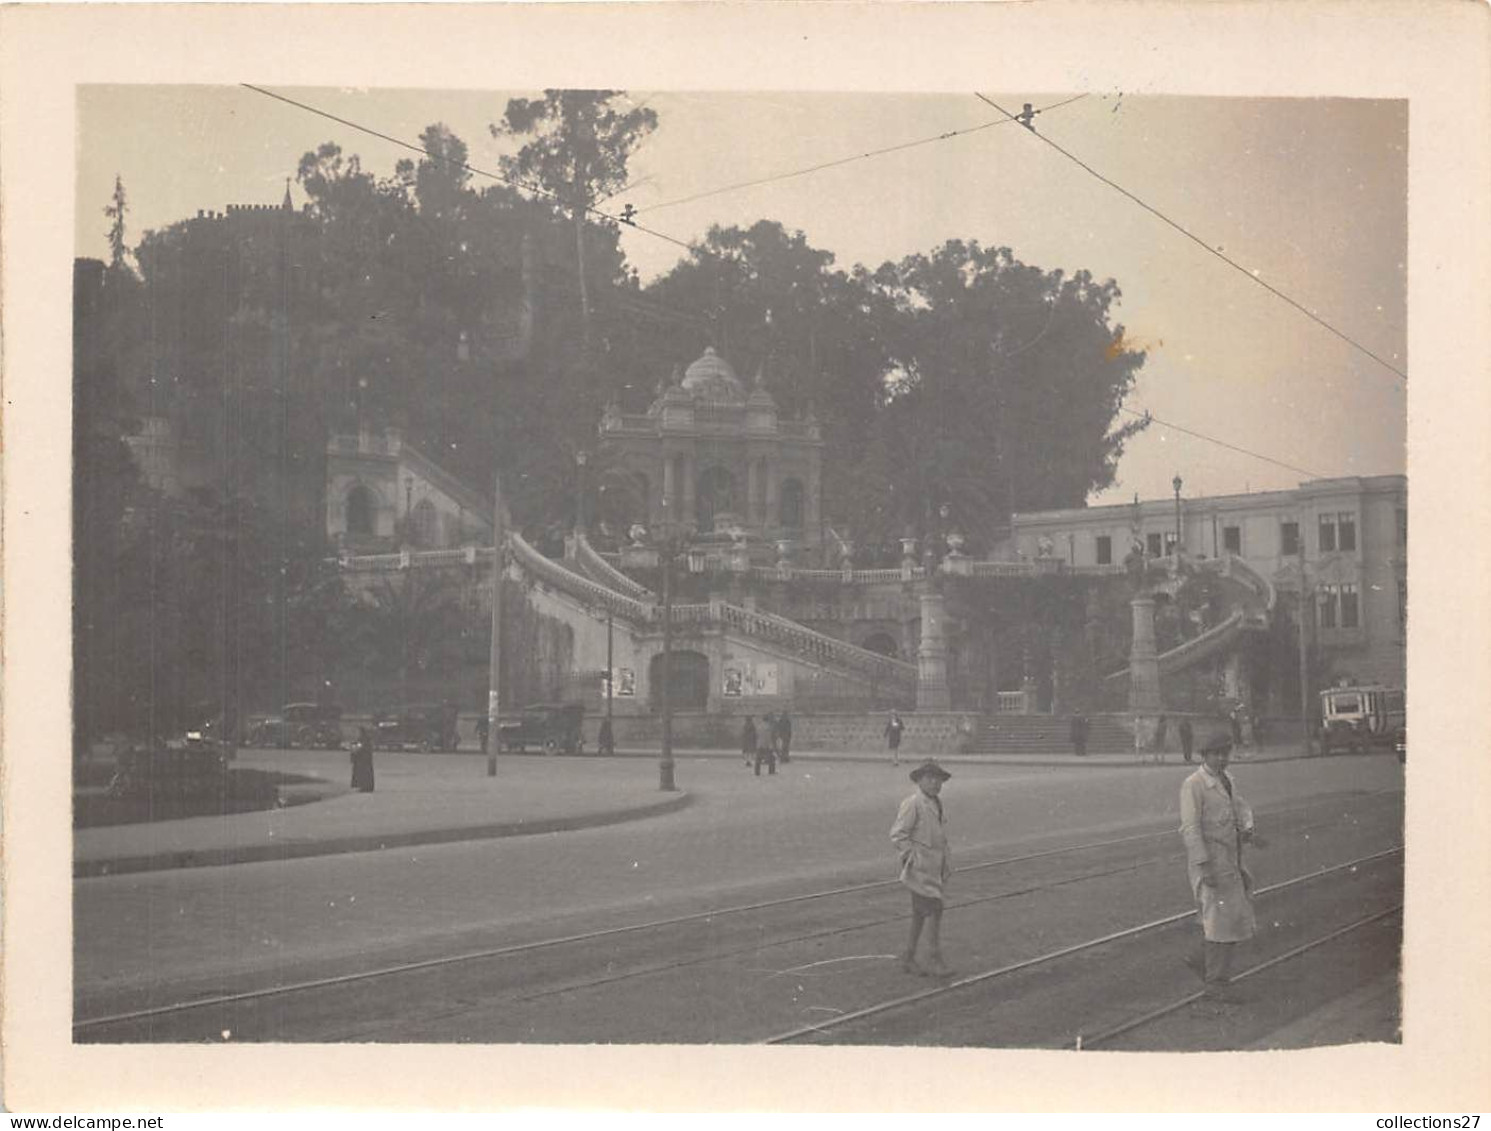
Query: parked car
[
  {"x": 1358, "y": 716},
  {"x": 302, "y": 726},
  {"x": 550, "y": 727},
  {"x": 417, "y": 726}
]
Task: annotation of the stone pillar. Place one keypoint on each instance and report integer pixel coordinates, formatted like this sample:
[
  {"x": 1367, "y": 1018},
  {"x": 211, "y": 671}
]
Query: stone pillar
[
  {"x": 1144, "y": 673},
  {"x": 931, "y": 657}
]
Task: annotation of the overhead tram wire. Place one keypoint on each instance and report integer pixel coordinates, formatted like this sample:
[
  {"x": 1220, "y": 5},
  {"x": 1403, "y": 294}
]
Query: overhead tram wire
[
  {"x": 1147, "y": 415},
  {"x": 534, "y": 189},
  {"x": 1200, "y": 242},
  {"x": 663, "y": 312},
  {"x": 845, "y": 160}
]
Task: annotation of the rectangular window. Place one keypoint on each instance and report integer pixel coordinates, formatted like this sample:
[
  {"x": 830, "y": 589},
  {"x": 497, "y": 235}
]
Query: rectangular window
[
  {"x": 1327, "y": 606},
  {"x": 1289, "y": 539},
  {"x": 1232, "y": 539},
  {"x": 1327, "y": 534},
  {"x": 1402, "y": 517},
  {"x": 1156, "y": 548},
  {"x": 1346, "y": 532},
  {"x": 1350, "y": 617},
  {"x": 1105, "y": 550},
  {"x": 1402, "y": 605}
]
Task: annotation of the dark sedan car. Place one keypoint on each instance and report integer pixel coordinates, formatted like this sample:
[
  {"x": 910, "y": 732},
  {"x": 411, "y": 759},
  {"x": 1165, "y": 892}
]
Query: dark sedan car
[{"x": 418, "y": 726}]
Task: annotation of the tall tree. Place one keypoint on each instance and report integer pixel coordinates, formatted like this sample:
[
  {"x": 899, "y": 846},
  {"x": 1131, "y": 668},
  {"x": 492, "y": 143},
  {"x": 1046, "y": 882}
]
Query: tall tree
[
  {"x": 117, "y": 207},
  {"x": 579, "y": 142},
  {"x": 1005, "y": 384}
]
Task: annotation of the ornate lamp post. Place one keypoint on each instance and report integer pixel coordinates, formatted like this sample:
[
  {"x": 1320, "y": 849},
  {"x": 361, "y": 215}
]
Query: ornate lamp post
[
  {"x": 1176, "y": 483},
  {"x": 667, "y": 544},
  {"x": 582, "y": 457}
]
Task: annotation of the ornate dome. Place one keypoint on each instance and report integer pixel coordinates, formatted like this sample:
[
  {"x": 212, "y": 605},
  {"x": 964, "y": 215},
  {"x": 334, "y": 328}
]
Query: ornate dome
[{"x": 712, "y": 379}]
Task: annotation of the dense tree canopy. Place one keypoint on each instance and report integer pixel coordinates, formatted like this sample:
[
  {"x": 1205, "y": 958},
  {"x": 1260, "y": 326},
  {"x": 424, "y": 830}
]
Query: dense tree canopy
[{"x": 493, "y": 324}]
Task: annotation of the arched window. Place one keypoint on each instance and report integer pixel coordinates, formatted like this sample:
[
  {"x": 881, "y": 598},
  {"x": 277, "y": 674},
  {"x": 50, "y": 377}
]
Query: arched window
[
  {"x": 716, "y": 494},
  {"x": 360, "y": 511},
  {"x": 791, "y": 504},
  {"x": 424, "y": 524}
]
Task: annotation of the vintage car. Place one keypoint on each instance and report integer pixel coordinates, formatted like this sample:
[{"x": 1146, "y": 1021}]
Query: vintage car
[
  {"x": 301, "y": 726},
  {"x": 1356, "y": 717},
  {"x": 417, "y": 726},
  {"x": 550, "y": 727}
]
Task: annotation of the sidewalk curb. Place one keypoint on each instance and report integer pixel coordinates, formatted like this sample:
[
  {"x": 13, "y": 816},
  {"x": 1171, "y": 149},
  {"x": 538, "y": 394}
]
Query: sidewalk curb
[{"x": 371, "y": 842}]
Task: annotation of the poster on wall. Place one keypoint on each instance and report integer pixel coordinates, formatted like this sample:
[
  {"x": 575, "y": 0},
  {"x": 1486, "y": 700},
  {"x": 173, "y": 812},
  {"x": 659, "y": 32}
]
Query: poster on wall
[
  {"x": 734, "y": 682},
  {"x": 762, "y": 679},
  {"x": 625, "y": 682}
]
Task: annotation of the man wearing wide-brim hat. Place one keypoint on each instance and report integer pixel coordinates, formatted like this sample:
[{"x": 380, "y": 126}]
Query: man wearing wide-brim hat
[{"x": 920, "y": 835}]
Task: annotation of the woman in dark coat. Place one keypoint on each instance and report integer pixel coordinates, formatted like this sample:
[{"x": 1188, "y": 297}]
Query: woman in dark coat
[
  {"x": 362, "y": 761},
  {"x": 748, "y": 740}
]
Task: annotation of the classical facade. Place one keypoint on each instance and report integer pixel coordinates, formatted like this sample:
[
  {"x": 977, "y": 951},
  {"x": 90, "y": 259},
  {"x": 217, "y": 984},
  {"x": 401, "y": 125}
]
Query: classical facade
[
  {"x": 382, "y": 494},
  {"x": 1350, "y": 535},
  {"x": 711, "y": 458}
]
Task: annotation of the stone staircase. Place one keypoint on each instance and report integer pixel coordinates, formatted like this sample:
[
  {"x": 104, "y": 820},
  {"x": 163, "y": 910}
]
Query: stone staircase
[{"x": 1049, "y": 734}]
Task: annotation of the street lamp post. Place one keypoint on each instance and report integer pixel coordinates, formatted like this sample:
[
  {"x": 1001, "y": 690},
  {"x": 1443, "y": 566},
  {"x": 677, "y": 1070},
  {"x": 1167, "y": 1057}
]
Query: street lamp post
[
  {"x": 581, "y": 458},
  {"x": 1176, "y": 483},
  {"x": 665, "y": 698},
  {"x": 1306, "y": 609}
]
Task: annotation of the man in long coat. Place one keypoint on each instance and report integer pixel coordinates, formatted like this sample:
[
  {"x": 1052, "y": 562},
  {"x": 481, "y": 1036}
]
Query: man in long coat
[
  {"x": 1215, "y": 823},
  {"x": 920, "y": 835}
]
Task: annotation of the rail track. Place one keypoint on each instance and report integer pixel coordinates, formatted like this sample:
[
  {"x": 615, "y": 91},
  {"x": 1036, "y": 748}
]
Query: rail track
[
  {"x": 982, "y": 978},
  {"x": 1000, "y": 868}
]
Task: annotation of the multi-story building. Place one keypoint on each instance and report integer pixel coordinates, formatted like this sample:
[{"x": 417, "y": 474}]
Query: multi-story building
[{"x": 1350, "y": 535}]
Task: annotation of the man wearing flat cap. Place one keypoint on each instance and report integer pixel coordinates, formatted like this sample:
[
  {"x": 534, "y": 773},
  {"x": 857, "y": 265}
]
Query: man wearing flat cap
[
  {"x": 920, "y": 835},
  {"x": 1215, "y": 823}
]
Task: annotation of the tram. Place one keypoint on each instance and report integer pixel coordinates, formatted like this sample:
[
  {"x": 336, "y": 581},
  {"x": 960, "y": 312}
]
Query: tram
[{"x": 1356, "y": 717}]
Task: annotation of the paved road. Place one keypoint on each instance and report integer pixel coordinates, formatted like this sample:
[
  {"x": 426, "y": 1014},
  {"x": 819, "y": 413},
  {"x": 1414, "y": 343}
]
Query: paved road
[{"x": 812, "y": 826}]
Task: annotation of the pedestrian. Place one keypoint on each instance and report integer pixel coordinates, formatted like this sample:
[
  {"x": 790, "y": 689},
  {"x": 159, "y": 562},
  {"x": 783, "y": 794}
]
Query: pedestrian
[
  {"x": 605, "y": 741},
  {"x": 1187, "y": 738},
  {"x": 1161, "y": 725},
  {"x": 1079, "y": 735},
  {"x": 748, "y": 739},
  {"x": 765, "y": 754},
  {"x": 1215, "y": 823},
  {"x": 920, "y": 835},
  {"x": 362, "y": 761},
  {"x": 893, "y": 729},
  {"x": 1235, "y": 720},
  {"x": 783, "y": 730},
  {"x": 483, "y": 731}
]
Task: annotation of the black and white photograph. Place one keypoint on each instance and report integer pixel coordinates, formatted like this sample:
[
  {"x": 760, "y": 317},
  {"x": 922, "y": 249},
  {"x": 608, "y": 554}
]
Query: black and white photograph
[{"x": 595, "y": 557}]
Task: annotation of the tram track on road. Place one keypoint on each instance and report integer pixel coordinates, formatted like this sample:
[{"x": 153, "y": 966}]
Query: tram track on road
[
  {"x": 98, "y": 1027},
  {"x": 985, "y": 979}
]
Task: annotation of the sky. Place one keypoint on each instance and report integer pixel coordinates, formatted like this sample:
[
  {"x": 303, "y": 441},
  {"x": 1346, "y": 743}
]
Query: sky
[{"x": 1307, "y": 195}]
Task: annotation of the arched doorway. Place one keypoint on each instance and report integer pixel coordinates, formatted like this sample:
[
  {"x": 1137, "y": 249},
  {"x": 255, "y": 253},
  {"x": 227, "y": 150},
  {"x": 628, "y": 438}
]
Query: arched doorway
[
  {"x": 791, "y": 504},
  {"x": 715, "y": 495},
  {"x": 882, "y": 643},
  {"x": 423, "y": 525},
  {"x": 360, "y": 510},
  {"x": 688, "y": 687}
]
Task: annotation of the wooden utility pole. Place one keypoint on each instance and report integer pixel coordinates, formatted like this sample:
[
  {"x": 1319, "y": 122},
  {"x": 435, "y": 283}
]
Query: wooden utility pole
[{"x": 494, "y": 678}]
